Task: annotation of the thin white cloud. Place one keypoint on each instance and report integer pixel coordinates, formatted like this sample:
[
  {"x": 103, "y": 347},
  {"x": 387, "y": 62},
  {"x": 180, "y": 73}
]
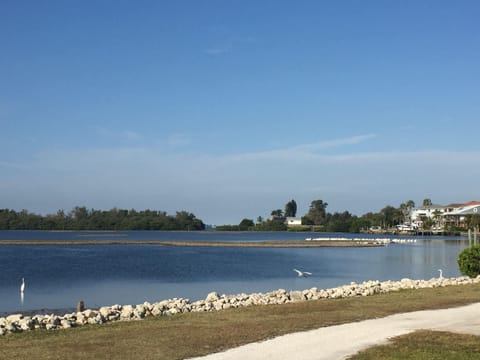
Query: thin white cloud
[
  {"x": 335, "y": 143},
  {"x": 217, "y": 50},
  {"x": 307, "y": 150},
  {"x": 225, "y": 189},
  {"x": 120, "y": 135}
]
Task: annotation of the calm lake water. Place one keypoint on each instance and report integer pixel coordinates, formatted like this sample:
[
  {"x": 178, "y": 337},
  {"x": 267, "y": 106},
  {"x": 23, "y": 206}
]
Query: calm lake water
[{"x": 57, "y": 277}]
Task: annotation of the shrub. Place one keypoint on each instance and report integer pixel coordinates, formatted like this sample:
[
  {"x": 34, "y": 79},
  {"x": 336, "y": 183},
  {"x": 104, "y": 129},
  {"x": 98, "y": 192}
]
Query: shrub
[{"x": 469, "y": 261}]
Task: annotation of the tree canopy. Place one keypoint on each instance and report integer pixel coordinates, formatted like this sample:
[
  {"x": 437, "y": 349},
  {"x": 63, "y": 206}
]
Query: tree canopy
[
  {"x": 317, "y": 213},
  {"x": 81, "y": 218},
  {"x": 291, "y": 209}
]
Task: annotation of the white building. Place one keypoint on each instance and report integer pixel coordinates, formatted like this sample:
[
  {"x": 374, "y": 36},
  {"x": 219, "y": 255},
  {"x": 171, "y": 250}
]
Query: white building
[
  {"x": 426, "y": 212},
  {"x": 293, "y": 221},
  {"x": 457, "y": 213},
  {"x": 453, "y": 214}
]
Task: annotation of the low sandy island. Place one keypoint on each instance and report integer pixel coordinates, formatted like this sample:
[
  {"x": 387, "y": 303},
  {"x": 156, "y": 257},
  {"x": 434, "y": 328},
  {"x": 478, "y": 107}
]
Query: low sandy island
[{"x": 242, "y": 244}]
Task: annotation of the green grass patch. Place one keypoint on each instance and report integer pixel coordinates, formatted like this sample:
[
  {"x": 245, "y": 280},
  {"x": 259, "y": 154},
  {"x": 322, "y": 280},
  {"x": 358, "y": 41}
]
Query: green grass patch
[{"x": 425, "y": 344}]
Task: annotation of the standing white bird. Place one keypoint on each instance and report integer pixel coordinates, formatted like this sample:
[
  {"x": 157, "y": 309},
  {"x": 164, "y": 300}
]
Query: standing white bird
[
  {"x": 22, "y": 286},
  {"x": 441, "y": 273},
  {"x": 302, "y": 273}
]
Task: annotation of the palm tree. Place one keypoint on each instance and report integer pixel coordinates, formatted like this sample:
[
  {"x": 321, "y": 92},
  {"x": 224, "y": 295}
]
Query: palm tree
[
  {"x": 404, "y": 211},
  {"x": 437, "y": 216},
  {"x": 427, "y": 202}
]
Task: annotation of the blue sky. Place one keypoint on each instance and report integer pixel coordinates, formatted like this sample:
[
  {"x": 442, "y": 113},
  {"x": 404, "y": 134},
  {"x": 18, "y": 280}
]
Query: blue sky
[{"x": 229, "y": 109}]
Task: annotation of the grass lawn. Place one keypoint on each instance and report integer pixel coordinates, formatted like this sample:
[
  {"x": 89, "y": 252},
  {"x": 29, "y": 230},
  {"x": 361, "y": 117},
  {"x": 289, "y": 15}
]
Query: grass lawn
[
  {"x": 426, "y": 344},
  {"x": 195, "y": 334}
]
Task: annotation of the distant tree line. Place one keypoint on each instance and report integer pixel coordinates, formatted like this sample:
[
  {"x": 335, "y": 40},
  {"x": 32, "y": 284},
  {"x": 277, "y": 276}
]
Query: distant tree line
[
  {"x": 81, "y": 218},
  {"x": 318, "y": 219}
]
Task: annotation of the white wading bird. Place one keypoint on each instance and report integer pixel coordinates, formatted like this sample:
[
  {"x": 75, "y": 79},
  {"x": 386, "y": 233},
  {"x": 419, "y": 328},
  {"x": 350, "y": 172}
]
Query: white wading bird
[
  {"x": 22, "y": 286},
  {"x": 302, "y": 273},
  {"x": 441, "y": 273}
]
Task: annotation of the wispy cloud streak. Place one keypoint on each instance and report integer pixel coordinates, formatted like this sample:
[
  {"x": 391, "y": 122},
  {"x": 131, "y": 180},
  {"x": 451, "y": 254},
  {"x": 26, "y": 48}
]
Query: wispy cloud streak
[
  {"x": 307, "y": 150},
  {"x": 336, "y": 143}
]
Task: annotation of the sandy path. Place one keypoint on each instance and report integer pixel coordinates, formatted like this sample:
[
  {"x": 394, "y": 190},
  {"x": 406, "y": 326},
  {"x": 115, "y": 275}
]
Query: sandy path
[{"x": 340, "y": 341}]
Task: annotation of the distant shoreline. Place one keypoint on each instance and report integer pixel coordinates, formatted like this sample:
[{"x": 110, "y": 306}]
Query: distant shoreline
[{"x": 178, "y": 243}]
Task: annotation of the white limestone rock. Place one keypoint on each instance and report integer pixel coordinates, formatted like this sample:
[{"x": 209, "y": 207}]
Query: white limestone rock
[
  {"x": 127, "y": 312},
  {"x": 211, "y": 297},
  {"x": 26, "y": 324},
  {"x": 296, "y": 296},
  {"x": 13, "y": 318}
]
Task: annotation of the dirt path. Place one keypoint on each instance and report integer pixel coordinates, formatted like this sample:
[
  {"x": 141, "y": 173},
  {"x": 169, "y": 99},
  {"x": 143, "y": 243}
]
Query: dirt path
[{"x": 340, "y": 341}]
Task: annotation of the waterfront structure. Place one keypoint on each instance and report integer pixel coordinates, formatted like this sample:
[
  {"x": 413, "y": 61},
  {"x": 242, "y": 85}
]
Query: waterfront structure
[
  {"x": 457, "y": 214},
  {"x": 444, "y": 216},
  {"x": 430, "y": 212},
  {"x": 293, "y": 221}
]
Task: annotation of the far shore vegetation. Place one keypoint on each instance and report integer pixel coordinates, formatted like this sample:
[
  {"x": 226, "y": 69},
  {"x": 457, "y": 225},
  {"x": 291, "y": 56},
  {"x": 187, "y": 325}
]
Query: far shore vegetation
[
  {"x": 195, "y": 334},
  {"x": 81, "y": 218},
  {"x": 317, "y": 219}
]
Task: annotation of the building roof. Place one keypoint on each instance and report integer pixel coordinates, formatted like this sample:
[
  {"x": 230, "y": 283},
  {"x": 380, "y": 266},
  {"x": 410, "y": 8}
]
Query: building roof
[
  {"x": 458, "y": 205},
  {"x": 433, "y": 206},
  {"x": 472, "y": 203},
  {"x": 465, "y": 210}
]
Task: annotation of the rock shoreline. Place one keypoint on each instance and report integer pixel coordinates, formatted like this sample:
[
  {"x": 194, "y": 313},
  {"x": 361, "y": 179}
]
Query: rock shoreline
[{"x": 213, "y": 302}]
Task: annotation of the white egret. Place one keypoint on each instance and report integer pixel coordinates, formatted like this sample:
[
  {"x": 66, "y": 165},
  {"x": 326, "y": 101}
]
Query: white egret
[
  {"x": 441, "y": 273},
  {"x": 22, "y": 286},
  {"x": 302, "y": 273}
]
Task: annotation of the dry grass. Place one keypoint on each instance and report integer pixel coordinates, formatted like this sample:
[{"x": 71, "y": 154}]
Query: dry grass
[
  {"x": 426, "y": 344},
  {"x": 197, "y": 334}
]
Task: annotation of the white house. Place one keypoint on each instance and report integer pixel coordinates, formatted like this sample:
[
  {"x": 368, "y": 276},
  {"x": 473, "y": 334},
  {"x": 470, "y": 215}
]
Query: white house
[
  {"x": 293, "y": 221},
  {"x": 456, "y": 214},
  {"x": 429, "y": 212},
  {"x": 453, "y": 214}
]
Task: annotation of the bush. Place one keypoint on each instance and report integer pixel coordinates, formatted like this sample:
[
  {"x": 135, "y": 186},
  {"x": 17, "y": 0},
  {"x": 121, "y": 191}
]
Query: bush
[{"x": 469, "y": 261}]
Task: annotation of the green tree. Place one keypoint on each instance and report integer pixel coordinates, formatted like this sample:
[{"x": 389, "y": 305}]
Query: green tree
[
  {"x": 390, "y": 216},
  {"x": 246, "y": 224},
  {"x": 472, "y": 221},
  {"x": 291, "y": 209},
  {"x": 371, "y": 219},
  {"x": 317, "y": 213},
  {"x": 188, "y": 221},
  {"x": 340, "y": 222},
  {"x": 427, "y": 202},
  {"x": 469, "y": 261},
  {"x": 406, "y": 208},
  {"x": 437, "y": 216},
  {"x": 277, "y": 213},
  {"x": 271, "y": 225},
  {"x": 427, "y": 223}
]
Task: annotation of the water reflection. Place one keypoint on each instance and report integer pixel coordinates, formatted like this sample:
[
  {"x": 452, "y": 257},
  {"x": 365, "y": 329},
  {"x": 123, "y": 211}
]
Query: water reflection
[{"x": 22, "y": 289}]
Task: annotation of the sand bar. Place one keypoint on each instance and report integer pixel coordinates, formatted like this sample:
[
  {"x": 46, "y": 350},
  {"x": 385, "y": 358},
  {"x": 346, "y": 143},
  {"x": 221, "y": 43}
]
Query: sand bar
[{"x": 240, "y": 244}]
